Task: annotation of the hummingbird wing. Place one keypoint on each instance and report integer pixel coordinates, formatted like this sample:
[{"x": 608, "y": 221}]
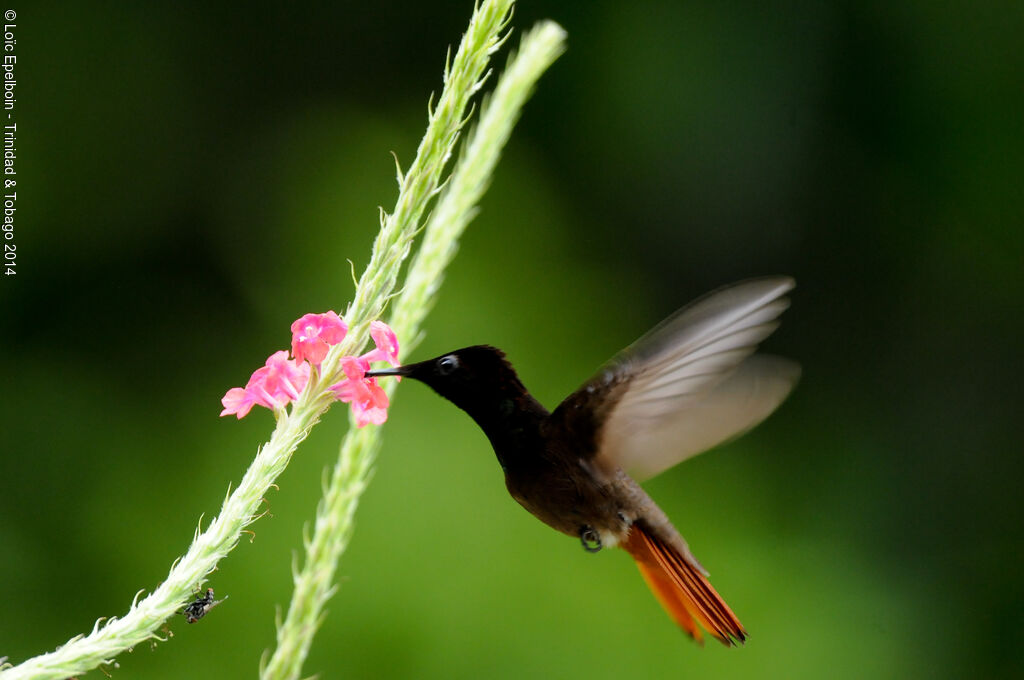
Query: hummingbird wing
[
  {"x": 688, "y": 384},
  {"x": 740, "y": 401}
]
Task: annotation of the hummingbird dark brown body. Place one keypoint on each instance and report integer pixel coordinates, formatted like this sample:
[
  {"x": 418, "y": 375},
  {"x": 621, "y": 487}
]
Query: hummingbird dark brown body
[{"x": 687, "y": 385}]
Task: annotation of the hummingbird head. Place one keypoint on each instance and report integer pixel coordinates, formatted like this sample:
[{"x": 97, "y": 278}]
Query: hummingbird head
[{"x": 476, "y": 379}]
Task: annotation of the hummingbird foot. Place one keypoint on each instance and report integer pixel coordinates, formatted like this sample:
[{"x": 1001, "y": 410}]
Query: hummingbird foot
[{"x": 590, "y": 539}]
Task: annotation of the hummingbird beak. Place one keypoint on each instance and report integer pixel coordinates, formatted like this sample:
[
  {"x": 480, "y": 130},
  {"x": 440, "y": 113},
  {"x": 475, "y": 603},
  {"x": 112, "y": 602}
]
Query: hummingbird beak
[{"x": 398, "y": 371}]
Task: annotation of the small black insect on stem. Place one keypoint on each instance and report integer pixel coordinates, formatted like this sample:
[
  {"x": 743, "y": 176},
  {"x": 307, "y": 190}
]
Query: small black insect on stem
[{"x": 203, "y": 603}]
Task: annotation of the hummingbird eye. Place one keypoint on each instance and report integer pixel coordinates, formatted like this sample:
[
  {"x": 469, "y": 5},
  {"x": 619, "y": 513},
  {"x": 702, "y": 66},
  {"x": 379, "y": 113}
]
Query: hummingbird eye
[{"x": 447, "y": 364}]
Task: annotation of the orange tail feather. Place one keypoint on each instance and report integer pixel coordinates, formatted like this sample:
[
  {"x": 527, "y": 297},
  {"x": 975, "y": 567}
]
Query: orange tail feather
[{"x": 682, "y": 589}]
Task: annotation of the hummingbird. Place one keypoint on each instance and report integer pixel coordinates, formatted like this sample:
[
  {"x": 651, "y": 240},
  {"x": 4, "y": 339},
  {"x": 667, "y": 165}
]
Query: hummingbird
[{"x": 687, "y": 385}]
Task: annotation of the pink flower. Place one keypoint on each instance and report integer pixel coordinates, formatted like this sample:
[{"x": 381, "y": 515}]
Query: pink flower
[
  {"x": 313, "y": 334},
  {"x": 369, "y": 402},
  {"x": 237, "y": 401},
  {"x": 387, "y": 344},
  {"x": 285, "y": 378},
  {"x": 281, "y": 380},
  {"x": 274, "y": 385}
]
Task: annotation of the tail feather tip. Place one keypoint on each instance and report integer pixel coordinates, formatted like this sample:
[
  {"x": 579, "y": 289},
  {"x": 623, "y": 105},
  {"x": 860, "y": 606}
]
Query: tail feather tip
[{"x": 683, "y": 590}]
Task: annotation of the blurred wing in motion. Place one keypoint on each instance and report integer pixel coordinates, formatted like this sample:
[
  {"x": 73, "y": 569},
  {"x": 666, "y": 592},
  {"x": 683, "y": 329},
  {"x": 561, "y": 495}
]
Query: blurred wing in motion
[
  {"x": 689, "y": 384},
  {"x": 745, "y": 397}
]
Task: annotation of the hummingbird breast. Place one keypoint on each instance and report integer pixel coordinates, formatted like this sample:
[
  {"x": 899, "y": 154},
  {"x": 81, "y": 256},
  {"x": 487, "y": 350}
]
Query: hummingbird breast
[
  {"x": 554, "y": 473},
  {"x": 567, "y": 495}
]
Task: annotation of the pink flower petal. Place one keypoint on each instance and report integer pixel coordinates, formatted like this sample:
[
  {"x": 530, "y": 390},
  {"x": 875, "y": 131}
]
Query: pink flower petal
[
  {"x": 257, "y": 390},
  {"x": 366, "y": 416},
  {"x": 355, "y": 367},
  {"x": 368, "y": 401},
  {"x": 313, "y": 335},
  {"x": 378, "y": 397},
  {"x": 374, "y": 409},
  {"x": 273, "y": 385},
  {"x": 386, "y": 341},
  {"x": 237, "y": 401},
  {"x": 286, "y": 378}
]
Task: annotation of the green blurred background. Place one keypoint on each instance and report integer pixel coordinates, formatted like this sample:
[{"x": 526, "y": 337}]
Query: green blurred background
[{"x": 193, "y": 178}]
